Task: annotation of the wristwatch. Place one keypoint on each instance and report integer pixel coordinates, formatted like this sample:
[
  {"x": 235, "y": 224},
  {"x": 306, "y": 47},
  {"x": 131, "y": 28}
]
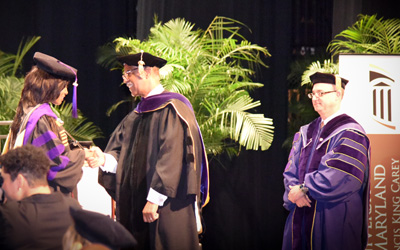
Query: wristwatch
[{"x": 303, "y": 188}]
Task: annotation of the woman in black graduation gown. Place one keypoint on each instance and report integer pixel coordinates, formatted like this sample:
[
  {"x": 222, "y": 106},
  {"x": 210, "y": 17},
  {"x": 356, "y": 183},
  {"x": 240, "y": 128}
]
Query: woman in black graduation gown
[{"x": 35, "y": 123}]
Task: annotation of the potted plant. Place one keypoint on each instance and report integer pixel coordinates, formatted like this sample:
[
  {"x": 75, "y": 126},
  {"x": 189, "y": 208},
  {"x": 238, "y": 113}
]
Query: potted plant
[{"x": 213, "y": 69}]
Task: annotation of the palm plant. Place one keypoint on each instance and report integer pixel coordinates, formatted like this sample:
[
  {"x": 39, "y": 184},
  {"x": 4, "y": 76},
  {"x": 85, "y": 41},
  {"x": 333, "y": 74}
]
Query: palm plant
[
  {"x": 80, "y": 128},
  {"x": 10, "y": 92},
  {"x": 11, "y": 84},
  {"x": 10, "y": 63},
  {"x": 214, "y": 70},
  {"x": 369, "y": 35}
]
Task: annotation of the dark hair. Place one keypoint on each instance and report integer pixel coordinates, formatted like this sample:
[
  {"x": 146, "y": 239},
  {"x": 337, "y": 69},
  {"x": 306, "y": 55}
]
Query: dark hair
[
  {"x": 39, "y": 87},
  {"x": 28, "y": 160}
]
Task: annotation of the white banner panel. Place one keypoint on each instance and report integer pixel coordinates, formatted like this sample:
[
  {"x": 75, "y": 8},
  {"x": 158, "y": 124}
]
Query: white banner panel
[{"x": 372, "y": 97}]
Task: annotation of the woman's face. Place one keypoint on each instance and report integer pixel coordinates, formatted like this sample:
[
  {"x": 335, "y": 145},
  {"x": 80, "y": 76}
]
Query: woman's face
[{"x": 61, "y": 97}]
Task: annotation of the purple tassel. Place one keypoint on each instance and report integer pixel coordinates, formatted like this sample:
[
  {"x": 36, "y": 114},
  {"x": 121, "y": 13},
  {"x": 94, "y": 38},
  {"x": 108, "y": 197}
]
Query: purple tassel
[
  {"x": 75, "y": 101},
  {"x": 74, "y": 94}
]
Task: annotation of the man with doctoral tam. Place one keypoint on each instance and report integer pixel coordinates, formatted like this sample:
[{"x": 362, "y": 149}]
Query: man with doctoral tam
[
  {"x": 327, "y": 176},
  {"x": 155, "y": 165}
]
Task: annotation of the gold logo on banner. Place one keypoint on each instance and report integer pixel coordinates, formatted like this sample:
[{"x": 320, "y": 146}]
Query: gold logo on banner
[{"x": 382, "y": 98}]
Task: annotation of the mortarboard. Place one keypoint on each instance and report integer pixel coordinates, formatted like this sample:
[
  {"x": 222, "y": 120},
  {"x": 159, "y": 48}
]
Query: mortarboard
[
  {"x": 59, "y": 69},
  {"x": 99, "y": 228},
  {"x": 142, "y": 57},
  {"x": 319, "y": 77}
]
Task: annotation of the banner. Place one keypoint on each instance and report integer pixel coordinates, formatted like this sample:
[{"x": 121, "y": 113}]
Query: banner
[{"x": 372, "y": 97}]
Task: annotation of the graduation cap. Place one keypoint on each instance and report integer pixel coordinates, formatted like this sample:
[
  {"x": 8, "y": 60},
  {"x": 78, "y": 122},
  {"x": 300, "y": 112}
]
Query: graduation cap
[
  {"x": 59, "y": 69},
  {"x": 319, "y": 77},
  {"x": 99, "y": 228},
  {"x": 142, "y": 59}
]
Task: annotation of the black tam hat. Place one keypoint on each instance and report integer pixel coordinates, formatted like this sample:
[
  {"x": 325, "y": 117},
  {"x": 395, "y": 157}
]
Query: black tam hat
[
  {"x": 99, "y": 228},
  {"x": 144, "y": 59},
  {"x": 59, "y": 69},
  {"x": 319, "y": 77},
  {"x": 54, "y": 66}
]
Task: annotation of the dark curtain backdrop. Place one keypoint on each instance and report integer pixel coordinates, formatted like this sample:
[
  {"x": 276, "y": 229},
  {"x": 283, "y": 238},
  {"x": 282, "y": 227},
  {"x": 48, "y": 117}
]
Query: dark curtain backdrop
[
  {"x": 72, "y": 31},
  {"x": 245, "y": 211}
]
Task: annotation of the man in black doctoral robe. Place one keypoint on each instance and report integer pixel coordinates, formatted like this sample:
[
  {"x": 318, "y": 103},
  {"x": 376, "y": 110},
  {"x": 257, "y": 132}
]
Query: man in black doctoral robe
[{"x": 155, "y": 165}]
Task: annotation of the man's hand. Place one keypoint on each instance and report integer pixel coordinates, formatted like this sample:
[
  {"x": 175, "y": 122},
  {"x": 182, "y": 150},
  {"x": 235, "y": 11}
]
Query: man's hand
[
  {"x": 88, "y": 153},
  {"x": 296, "y": 195},
  {"x": 97, "y": 159},
  {"x": 150, "y": 212},
  {"x": 303, "y": 201}
]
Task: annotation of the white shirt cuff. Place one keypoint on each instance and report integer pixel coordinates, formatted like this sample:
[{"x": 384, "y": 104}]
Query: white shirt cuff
[
  {"x": 110, "y": 164},
  {"x": 156, "y": 197}
]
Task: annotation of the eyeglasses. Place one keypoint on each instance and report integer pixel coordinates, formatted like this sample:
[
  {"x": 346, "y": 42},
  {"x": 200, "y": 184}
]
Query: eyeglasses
[
  {"x": 127, "y": 73},
  {"x": 319, "y": 94}
]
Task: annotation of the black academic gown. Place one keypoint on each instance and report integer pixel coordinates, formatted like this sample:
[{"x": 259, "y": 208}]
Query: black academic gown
[
  {"x": 159, "y": 149},
  {"x": 36, "y": 222}
]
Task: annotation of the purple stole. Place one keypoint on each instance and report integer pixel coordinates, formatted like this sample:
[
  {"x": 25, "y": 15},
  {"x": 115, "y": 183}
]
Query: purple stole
[
  {"x": 52, "y": 153},
  {"x": 42, "y": 110},
  {"x": 151, "y": 103}
]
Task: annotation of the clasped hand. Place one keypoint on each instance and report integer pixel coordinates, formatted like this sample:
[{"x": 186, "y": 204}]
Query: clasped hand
[
  {"x": 94, "y": 157},
  {"x": 296, "y": 195}
]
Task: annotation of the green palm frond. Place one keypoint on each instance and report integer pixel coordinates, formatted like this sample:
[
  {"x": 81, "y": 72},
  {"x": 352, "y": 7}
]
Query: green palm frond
[
  {"x": 10, "y": 91},
  {"x": 369, "y": 35},
  {"x": 116, "y": 105},
  {"x": 10, "y": 63},
  {"x": 22, "y": 50},
  {"x": 175, "y": 38},
  {"x": 250, "y": 130},
  {"x": 214, "y": 70},
  {"x": 232, "y": 119},
  {"x": 6, "y": 63},
  {"x": 80, "y": 128}
]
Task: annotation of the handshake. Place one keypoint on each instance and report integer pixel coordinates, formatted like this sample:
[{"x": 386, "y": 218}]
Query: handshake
[{"x": 94, "y": 157}]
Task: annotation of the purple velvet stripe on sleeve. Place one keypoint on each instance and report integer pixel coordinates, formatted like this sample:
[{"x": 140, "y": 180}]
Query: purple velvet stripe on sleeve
[
  {"x": 44, "y": 109},
  {"x": 53, "y": 154},
  {"x": 56, "y": 151},
  {"x": 44, "y": 138},
  {"x": 54, "y": 170},
  {"x": 347, "y": 168},
  {"x": 351, "y": 156}
]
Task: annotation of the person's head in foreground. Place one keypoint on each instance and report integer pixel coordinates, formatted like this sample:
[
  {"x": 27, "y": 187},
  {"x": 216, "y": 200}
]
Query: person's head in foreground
[
  {"x": 24, "y": 172},
  {"x": 93, "y": 230}
]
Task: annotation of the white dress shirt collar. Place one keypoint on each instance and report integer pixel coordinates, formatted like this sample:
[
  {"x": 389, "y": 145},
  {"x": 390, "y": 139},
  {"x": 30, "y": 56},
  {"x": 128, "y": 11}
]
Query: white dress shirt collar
[
  {"x": 156, "y": 91},
  {"x": 332, "y": 116}
]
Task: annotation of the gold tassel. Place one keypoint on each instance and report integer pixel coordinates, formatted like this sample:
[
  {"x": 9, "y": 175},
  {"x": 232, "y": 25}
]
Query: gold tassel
[
  {"x": 141, "y": 64},
  {"x": 338, "y": 82}
]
